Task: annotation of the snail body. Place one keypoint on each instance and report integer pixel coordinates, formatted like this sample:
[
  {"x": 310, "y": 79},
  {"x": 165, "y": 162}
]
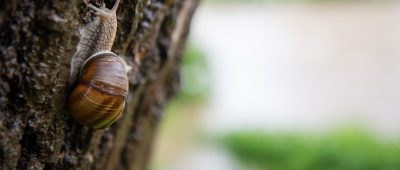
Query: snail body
[
  {"x": 98, "y": 81},
  {"x": 96, "y": 36}
]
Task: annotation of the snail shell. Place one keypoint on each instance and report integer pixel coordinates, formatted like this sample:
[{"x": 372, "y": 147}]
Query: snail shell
[{"x": 99, "y": 98}]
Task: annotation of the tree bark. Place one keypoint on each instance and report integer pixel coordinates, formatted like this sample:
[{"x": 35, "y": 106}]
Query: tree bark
[{"x": 38, "y": 39}]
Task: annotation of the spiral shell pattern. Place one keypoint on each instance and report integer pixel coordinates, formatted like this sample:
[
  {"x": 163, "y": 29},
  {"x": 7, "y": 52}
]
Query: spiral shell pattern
[{"x": 99, "y": 98}]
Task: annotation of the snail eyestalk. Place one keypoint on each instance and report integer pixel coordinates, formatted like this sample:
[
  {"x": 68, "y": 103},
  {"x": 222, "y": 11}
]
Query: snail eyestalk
[{"x": 103, "y": 10}]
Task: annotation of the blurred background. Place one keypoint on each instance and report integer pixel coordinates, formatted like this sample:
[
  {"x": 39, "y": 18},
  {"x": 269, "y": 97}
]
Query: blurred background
[{"x": 287, "y": 85}]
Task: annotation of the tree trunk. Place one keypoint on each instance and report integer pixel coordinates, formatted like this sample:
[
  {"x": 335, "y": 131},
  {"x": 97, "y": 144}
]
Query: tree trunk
[{"x": 37, "y": 41}]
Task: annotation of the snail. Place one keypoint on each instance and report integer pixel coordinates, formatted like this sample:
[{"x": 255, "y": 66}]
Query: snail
[{"x": 99, "y": 88}]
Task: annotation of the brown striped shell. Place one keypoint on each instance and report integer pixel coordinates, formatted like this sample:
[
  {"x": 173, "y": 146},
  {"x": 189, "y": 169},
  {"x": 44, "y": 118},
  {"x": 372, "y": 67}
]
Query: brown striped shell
[{"x": 99, "y": 98}]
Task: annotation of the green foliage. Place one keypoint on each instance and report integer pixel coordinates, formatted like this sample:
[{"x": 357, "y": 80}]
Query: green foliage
[
  {"x": 344, "y": 150},
  {"x": 194, "y": 76}
]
